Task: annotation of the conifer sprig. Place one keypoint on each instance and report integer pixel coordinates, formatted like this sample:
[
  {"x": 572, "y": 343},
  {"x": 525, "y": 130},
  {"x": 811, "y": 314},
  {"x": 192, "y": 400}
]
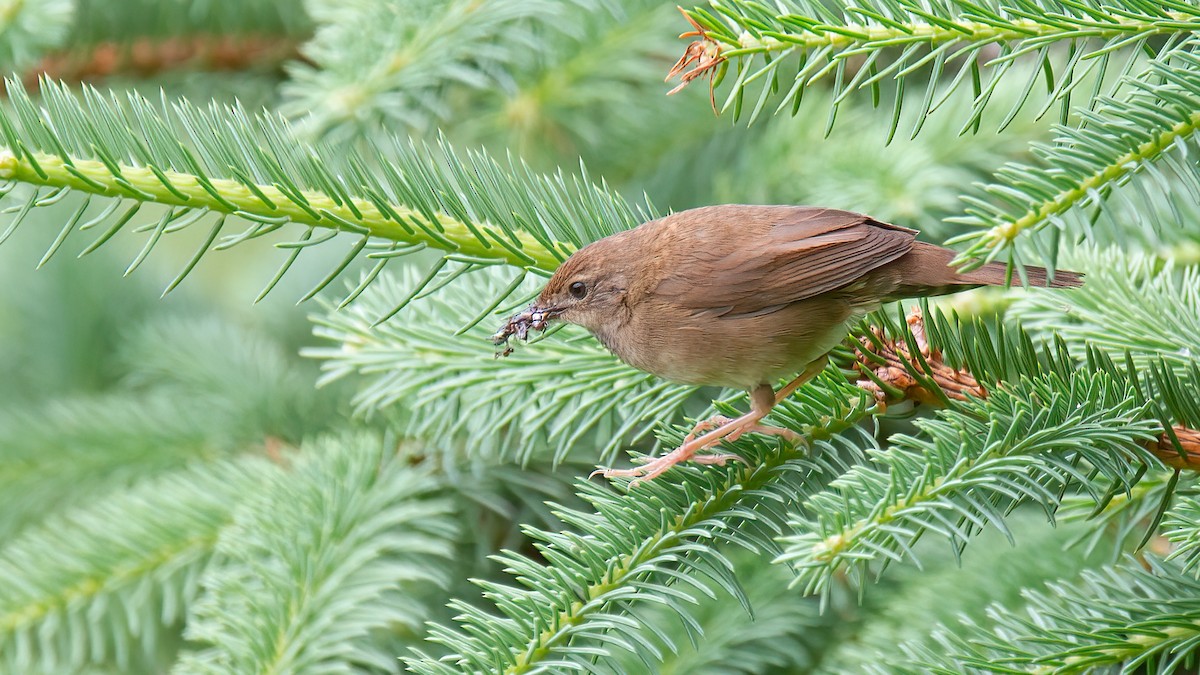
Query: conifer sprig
[
  {"x": 107, "y": 581},
  {"x": 208, "y": 165},
  {"x": 793, "y": 44},
  {"x": 1131, "y": 617},
  {"x": 646, "y": 547},
  {"x": 339, "y": 546},
  {"x": 1143, "y": 136}
]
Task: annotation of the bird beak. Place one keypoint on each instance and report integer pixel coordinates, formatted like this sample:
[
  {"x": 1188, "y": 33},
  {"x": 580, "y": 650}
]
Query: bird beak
[{"x": 533, "y": 317}]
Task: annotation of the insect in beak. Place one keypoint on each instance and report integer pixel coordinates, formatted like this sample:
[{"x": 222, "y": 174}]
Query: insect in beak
[{"x": 531, "y": 318}]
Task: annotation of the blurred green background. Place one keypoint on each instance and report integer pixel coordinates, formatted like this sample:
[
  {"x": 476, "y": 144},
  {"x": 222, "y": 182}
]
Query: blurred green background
[{"x": 117, "y": 401}]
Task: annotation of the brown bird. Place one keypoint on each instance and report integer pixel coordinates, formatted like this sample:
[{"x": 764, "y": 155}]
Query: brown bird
[{"x": 743, "y": 296}]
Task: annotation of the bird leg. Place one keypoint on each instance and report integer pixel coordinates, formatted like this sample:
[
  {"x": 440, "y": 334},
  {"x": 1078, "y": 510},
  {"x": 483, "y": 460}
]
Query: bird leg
[
  {"x": 716, "y": 421},
  {"x": 762, "y": 400}
]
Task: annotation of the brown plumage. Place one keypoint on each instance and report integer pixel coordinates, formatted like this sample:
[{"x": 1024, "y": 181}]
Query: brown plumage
[{"x": 743, "y": 296}]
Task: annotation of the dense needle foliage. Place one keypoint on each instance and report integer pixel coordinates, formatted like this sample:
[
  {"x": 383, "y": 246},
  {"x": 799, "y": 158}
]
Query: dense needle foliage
[{"x": 196, "y": 475}]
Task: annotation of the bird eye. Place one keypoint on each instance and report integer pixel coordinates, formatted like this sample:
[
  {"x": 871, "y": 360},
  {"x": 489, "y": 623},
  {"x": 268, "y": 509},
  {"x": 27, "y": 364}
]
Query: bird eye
[{"x": 578, "y": 289}]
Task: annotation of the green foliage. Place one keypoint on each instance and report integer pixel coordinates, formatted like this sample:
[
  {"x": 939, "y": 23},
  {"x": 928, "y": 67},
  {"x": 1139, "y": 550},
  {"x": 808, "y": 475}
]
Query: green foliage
[
  {"x": 60, "y": 325},
  {"x": 913, "y": 182},
  {"x": 646, "y": 548},
  {"x": 111, "y": 580},
  {"x": 394, "y": 64},
  {"x": 1129, "y": 617},
  {"x": 209, "y": 164},
  {"x": 779, "y": 634},
  {"x": 318, "y": 559},
  {"x": 175, "y": 494},
  {"x": 945, "y": 44},
  {"x": 70, "y": 451},
  {"x": 945, "y": 588},
  {"x": 1181, "y": 527},
  {"x": 102, "y": 21},
  {"x": 29, "y": 29},
  {"x": 1113, "y": 311},
  {"x": 584, "y": 91},
  {"x": 1144, "y": 136},
  {"x": 231, "y": 372},
  {"x": 970, "y": 468}
]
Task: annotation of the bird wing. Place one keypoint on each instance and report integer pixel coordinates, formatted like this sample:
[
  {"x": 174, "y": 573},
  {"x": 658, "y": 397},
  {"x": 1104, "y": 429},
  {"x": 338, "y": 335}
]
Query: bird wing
[{"x": 786, "y": 255}]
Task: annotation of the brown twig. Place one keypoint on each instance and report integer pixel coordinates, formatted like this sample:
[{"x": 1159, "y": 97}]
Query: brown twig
[
  {"x": 705, "y": 53},
  {"x": 896, "y": 375},
  {"x": 1189, "y": 441},
  {"x": 145, "y": 57}
]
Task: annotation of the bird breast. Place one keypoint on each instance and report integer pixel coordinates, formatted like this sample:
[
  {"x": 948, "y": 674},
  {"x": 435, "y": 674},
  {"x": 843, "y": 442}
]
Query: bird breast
[{"x": 699, "y": 348}]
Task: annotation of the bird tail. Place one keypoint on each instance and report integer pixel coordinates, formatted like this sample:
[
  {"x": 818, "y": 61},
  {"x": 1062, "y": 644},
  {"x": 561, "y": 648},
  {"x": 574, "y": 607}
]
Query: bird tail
[
  {"x": 926, "y": 271},
  {"x": 996, "y": 274}
]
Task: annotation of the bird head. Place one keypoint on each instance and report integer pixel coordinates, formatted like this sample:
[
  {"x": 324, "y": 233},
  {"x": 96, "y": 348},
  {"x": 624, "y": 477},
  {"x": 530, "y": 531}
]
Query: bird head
[{"x": 588, "y": 289}]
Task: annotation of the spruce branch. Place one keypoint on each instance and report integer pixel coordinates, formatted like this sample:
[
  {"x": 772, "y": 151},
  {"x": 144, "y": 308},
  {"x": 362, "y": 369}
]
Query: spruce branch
[
  {"x": 807, "y": 41},
  {"x": 317, "y": 559},
  {"x": 1113, "y": 311},
  {"x": 209, "y": 165},
  {"x": 1130, "y": 617},
  {"x": 102, "y": 583},
  {"x": 590, "y": 90},
  {"x": 1142, "y": 135},
  {"x": 968, "y": 469},
  {"x": 1047, "y": 424},
  {"x": 443, "y": 372},
  {"x": 646, "y": 547},
  {"x": 927, "y": 378},
  {"x": 391, "y": 65}
]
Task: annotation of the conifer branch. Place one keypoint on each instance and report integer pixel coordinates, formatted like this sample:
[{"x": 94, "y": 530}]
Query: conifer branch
[
  {"x": 233, "y": 197},
  {"x": 397, "y": 199},
  {"x": 896, "y": 380},
  {"x": 1114, "y": 310},
  {"x": 315, "y": 560},
  {"x": 104, "y": 581},
  {"x": 816, "y": 41},
  {"x": 1130, "y": 616},
  {"x": 1152, "y": 124},
  {"x": 379, "y": 68},
  {"x": 644, "y": 547},
  {"x": 1044, "y": 417}
]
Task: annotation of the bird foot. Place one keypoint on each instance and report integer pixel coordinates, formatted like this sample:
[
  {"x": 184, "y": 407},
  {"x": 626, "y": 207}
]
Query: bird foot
[
  {"x": 719, "y": 458},
  {"x": 716, "y": 421},
  {"x": 722, "y": 429}
]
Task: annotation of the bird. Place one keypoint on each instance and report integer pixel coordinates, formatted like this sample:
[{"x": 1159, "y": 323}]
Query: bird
[{"x": 743, "y": 296}]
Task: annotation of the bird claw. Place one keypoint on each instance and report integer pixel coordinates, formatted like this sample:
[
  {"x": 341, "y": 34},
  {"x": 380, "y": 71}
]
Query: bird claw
[
  {"x": 719, "y": 459},
  {"x": 704, "y": 425},
  {"x": 725, "y": 429}
]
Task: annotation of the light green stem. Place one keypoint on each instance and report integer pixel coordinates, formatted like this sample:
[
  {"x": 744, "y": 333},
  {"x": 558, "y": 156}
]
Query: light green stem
[
  {"x": 89, "y": 588},
  {"x": 1002, "y": 235},
  {"x": 848, "y": 35},
  {"x": 230, "y": 196}
]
